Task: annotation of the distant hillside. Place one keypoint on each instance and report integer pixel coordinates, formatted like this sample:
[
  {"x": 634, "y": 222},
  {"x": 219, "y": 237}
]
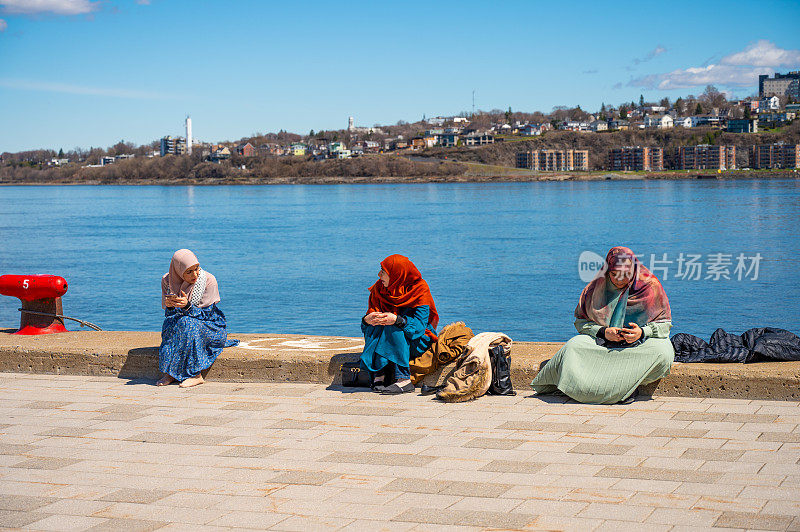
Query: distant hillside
[{"x": 599, "y": 144}]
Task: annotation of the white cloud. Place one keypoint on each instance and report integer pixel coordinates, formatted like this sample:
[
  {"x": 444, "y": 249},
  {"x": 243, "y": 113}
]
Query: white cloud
[
  {"x": 65, "y": 88},
  {"x": 3, "y": 25},
  {"x": 57, "y": 7},
  {"x": 725, "y": 75},
  {"x": 737, "y": 69},
  {"x": 763, "y": 53},
  {"x": 658, "y": 50}
]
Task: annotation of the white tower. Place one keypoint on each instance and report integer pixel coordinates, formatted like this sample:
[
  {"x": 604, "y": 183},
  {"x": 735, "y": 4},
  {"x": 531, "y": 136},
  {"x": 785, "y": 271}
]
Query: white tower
[
  {"x": 188, "y": 135},
  {"x": 350, "y": 124}
]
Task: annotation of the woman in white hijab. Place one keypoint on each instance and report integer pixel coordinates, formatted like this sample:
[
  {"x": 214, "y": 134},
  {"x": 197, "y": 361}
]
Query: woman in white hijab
[{"x": 194, "y": 331}]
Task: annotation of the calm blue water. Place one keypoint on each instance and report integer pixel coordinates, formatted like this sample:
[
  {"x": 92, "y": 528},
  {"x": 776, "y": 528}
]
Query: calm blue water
[{"x": 501, "y": 257}]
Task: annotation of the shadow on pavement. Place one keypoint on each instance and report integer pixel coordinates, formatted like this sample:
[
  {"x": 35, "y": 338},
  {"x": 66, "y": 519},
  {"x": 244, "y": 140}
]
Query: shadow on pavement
[{"x": 344, "y": 389}]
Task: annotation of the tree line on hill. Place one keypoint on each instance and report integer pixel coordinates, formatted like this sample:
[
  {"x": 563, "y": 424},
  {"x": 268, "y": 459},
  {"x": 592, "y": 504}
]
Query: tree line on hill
[{"x": 191, "y": 168}]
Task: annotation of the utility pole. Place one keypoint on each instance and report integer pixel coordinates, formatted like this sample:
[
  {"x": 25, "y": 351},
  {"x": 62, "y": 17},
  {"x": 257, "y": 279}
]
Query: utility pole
[{"x": 473, "y": 103}]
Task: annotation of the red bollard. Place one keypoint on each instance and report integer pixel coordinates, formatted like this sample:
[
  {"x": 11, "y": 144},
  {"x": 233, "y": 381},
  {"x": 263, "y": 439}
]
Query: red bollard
[{"x": 40, "y": 294}]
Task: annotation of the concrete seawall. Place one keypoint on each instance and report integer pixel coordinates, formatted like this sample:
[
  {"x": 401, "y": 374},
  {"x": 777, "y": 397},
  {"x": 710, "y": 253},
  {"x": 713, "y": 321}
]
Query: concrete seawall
[{"x": 317, "y": 359}]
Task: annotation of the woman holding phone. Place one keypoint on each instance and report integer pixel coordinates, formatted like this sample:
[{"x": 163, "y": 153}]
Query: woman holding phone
[
  {"x": 194, "y": 330},
  {"x": 623, "y": 317},
  {"x": 400, "y": 324}
]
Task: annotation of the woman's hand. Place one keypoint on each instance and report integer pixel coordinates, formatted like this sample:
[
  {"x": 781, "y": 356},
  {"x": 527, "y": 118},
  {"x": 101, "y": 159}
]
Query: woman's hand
[
  {"x": 371, "y": 318},
  {"x": 380, "y": 318},
  {"x": 613, "y": 334},
  {"x": 632, "y": 333},
  {"x": 177, "y": 301},
  {"x": 386, "y": 318}
]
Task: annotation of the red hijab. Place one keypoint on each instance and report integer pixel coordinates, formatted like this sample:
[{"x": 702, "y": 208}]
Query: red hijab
[
  {"x": 406, "y": 288},
  {"x": 646, "y": 299}
]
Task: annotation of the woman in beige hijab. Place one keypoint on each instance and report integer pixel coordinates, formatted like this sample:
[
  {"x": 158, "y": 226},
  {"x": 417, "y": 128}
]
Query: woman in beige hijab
[{"x": 194, "y": 331}]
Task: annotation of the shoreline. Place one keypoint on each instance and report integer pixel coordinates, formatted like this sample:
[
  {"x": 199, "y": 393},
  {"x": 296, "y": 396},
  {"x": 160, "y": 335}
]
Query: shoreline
[
  {"x": 303, "y": 358},
  {"x": 677, "y": 175}
]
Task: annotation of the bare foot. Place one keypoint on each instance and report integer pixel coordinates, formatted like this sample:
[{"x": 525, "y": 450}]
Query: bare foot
[
  {"x": 192, "y": 381},
  {"x": 165, "y": 380}
]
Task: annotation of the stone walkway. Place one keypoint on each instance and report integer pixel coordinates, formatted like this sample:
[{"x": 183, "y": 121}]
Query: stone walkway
[{"x": 80, "y": 453}]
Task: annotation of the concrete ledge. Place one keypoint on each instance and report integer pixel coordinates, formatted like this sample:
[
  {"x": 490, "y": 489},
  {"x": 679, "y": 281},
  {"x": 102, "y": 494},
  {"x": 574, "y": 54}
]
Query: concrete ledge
[{"x": 300, "y": 358}]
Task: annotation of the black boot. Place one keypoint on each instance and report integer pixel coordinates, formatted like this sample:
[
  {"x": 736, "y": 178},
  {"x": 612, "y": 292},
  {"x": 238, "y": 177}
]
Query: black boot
[{"x": 430, "y": 390}]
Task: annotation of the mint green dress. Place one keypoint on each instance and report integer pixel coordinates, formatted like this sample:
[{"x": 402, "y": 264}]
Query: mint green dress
[{"x": 591, "y": 373}]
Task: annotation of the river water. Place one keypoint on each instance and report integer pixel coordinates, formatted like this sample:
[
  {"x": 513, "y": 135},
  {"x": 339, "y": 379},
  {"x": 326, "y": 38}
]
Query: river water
[{"x": 501, "y": 257}]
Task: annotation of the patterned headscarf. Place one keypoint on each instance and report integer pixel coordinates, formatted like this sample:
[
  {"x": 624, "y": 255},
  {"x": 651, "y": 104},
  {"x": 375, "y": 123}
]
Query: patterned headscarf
[
  {"x": 406, "y": 288},
  {"x": 202, "y": 293},
  {"x": 644, "y": 297}
]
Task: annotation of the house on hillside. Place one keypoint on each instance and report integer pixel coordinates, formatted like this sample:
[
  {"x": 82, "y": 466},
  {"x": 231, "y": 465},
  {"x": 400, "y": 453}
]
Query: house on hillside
[
  {"x": 448, "y": 140},
  {"x": 598, "y": 125},
  {"x": 504, "y": 129},
  {"x": 430, "y": 141},
  {"x": 219, "y": 153},
  {"x": 574, "y": 125},
  {"x": 752, "y": 105},
  {"x": 658, "y": 121},
  {"x": 371, "y": 146},
  {"x": 682, "y": 121},
  {"x": 771, "y": 120},
  {"x": 742, "y": 125},
  {"x": 334, "y": 148},
  {"x": 246, "y": 150},
  {"x": 771, "y": 103},
  {"x": 478, "y": 139},
  {"x": 530, "y": 130},
  {"x": 706, "y": 121},
  {"x": 271, "y": 149}
]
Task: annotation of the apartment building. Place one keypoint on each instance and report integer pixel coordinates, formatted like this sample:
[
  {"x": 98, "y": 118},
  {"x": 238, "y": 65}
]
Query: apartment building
[
  {"x": 553, "y": 160},
  {"x": 173, "y": 145},
  {"x": 706, "y": 157},
  {"x": 779, "y": 155},
  {"x": 636, "y": 158},
  {"x": 780, "y": 85}
]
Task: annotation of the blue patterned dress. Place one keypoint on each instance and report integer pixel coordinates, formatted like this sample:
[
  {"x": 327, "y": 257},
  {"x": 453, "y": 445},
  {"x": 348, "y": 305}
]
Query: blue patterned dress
[{"x": 191, "y": 340}]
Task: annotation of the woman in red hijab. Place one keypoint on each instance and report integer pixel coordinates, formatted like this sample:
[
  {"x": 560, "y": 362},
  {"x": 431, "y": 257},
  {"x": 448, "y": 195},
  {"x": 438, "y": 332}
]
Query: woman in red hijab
[{"x": 400, "y": 324}]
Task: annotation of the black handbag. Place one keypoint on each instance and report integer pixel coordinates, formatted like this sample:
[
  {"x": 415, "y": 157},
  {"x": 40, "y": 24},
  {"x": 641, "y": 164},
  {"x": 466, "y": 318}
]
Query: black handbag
[
  {"x": 355, "y": 376},
  {"x": 499, "y": 356}
]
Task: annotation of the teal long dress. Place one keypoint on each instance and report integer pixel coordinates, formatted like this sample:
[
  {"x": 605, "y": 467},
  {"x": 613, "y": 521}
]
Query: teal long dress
[
  {"x": 591, "y": 373},
  {"x": 394, "y": 346}
]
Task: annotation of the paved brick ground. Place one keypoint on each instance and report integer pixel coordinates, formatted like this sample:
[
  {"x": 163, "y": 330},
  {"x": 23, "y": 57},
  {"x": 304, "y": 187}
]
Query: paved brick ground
[{"x": 83, "y": 453}]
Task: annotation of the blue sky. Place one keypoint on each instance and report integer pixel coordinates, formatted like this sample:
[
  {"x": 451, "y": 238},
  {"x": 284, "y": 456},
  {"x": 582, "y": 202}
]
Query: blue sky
[{"x": 89, "y": 73}]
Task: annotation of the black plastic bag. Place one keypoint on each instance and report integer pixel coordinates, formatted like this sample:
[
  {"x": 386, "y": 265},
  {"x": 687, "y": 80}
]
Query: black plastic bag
[{"x": 499, "y": 356}]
